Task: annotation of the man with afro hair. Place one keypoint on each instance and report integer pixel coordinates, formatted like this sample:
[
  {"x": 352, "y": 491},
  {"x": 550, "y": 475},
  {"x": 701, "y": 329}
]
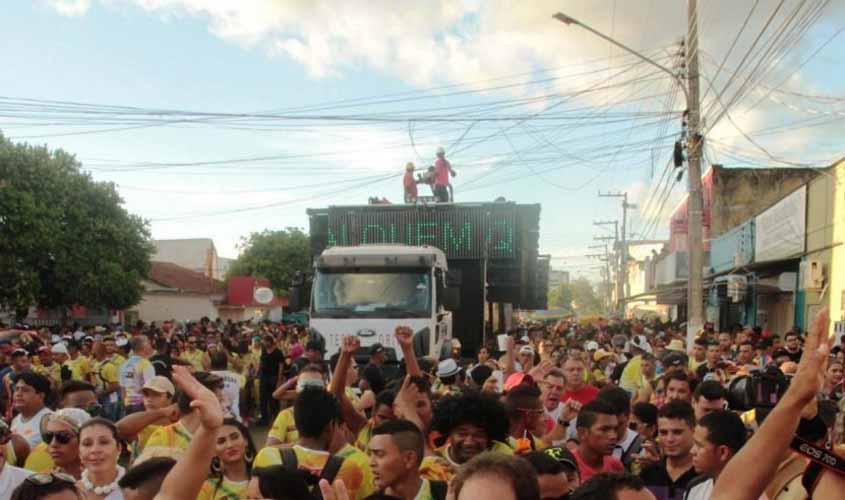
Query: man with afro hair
[{"x": 464, "y": 426}]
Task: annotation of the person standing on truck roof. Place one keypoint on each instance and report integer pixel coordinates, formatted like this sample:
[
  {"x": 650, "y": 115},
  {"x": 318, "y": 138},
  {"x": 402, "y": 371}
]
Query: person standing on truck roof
[
  {"x": 442, "y": 171},
  {"x": 410, "y": 184}
]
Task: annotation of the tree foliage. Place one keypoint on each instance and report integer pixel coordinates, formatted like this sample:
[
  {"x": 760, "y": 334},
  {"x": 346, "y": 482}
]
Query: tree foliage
[
  {"x": 275, "y": 255},
  {"x": 579, "y": 296},
  {"x": 64, "y": 238}
]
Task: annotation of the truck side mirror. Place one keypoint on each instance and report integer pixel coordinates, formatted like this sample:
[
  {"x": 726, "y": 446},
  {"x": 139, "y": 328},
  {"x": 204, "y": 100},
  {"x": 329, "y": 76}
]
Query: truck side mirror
[{"x": 452, "y": 298}]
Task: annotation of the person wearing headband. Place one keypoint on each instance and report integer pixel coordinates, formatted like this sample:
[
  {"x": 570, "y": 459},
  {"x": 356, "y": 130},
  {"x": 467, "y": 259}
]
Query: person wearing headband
[
  {"x": 61, "y": 435},
  {"x": 283, "y": 431}
]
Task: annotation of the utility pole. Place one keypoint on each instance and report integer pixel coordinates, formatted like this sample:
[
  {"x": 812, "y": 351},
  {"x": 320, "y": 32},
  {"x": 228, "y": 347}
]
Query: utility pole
[
  {"x": 622, "y": 286},
  {"x": 690, "y": 87},
  {"x": 615, "y": 240},
  {"x": 695, "y": 245},
  {"x": 608, "y": 297}
]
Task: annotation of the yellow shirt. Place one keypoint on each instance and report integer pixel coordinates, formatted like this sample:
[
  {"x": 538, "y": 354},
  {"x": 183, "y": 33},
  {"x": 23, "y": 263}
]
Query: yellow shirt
[
  {"x": 284, "y": 427},
  {"x": 364, "y": 436},
  {"x": 693, "y": 364},
  {"x": 355, "y": 471},
  {"x": 215, "y": 489},
  {"x": 79, "y": 368},
  {"x": 195, "y": 358},
  {"x": 632, "y": 375},
  {"x": 105, "y": 373},
  {"x": 52, "y": 372},
  {"x": 39, "y": 459},
  {"x": 174, "y": 436}
]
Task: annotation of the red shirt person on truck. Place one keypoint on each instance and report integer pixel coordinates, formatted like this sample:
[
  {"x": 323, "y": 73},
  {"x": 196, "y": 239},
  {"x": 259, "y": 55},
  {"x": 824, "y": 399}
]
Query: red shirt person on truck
[
  {"x": 442, "y": 171},
  {"x": 410, "y": 184}
]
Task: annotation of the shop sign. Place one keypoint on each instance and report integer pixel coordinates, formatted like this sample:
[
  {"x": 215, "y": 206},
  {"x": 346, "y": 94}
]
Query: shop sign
[{"x": 780, "y": 230}]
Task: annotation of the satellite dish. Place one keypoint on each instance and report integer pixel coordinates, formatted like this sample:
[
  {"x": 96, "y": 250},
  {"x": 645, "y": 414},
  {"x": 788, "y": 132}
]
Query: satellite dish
[{"x": 263, "y": 295}]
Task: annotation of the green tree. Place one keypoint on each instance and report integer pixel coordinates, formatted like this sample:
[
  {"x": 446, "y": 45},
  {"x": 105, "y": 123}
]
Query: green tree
[
  {"x": 64, "y": 238},
  {"x": 275, "y": 255},
  {"x": 560, "y": 297},
  {"x": 585, "y": 301}
]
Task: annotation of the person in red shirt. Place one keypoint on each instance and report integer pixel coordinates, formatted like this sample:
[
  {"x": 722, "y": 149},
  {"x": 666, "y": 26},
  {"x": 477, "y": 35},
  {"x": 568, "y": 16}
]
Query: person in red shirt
[
  {"x": 410, "y": 184},
  {"x": 442, "y": 171},
  {"x": 576, "y": 387},
  {"x": 597, "y": 437}
]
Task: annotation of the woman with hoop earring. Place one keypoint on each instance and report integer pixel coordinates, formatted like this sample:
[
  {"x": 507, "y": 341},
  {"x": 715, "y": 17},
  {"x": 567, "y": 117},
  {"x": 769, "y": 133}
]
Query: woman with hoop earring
[{"x": 232, "y": 464}]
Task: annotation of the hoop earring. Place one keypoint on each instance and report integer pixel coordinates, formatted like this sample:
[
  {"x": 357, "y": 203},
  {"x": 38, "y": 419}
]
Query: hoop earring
[
  {"x": 248, "y": 457},
  {"x": 216, "y": 466}
]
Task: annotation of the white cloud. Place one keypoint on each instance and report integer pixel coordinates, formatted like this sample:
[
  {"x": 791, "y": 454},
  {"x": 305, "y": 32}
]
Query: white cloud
[{"x": 70, "y": 8}]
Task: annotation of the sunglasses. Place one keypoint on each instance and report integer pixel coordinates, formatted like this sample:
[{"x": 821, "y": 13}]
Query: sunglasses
[
  {"x": 63, "y": 437},
  {"x": 44, "y": 479}
]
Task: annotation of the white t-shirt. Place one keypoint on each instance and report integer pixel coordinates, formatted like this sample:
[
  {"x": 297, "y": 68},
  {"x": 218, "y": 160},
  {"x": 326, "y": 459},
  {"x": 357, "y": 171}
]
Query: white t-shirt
[
  {"x": 10, "y": 478},
  {"x": 701, "y": 491},
  {"x": 30, "y": 429}
]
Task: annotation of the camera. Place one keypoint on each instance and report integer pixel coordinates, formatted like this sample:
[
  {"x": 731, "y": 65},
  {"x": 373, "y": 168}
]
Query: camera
[{"x": 760, "y": 390}]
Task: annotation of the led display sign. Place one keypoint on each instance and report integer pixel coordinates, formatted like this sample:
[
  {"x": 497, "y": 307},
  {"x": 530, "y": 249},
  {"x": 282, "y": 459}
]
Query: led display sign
[{"x": 461, "y": 232}]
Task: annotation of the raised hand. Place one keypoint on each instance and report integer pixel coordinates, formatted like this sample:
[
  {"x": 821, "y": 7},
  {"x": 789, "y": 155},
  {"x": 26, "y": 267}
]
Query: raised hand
[
  {"x": 404, "y": 335},
  {"x": 203, "y": 400},
  {"x": 809, "y": 379},
  {"x": 350, "y": 344}
]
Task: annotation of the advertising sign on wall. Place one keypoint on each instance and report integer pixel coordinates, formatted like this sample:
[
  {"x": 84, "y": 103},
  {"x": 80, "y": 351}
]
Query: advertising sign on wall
[{"x": 781, "y": 230}]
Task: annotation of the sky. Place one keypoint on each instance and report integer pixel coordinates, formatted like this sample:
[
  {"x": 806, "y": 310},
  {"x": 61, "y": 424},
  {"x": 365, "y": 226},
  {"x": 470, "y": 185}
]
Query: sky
[{"x": 217, "y": 119}]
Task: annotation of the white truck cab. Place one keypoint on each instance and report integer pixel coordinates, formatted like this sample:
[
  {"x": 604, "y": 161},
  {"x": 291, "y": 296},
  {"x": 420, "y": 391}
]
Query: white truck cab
[{"x": 369, "y": 290}]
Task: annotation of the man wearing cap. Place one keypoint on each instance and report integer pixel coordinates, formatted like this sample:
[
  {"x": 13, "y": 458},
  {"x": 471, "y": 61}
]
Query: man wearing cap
[
  {"x": 374, "y": 369},
  {"x": 602, "y": 366},
  {"x": 135, "y": 373},
  {"x": 525, "y": 358},
  {"x": 410, "y": 184},
  {"x": 442, "y": 171},
  {"x": 20, "y": 363},
  {"x": 175, "y": 438},
  {"x": 159, "y": 412},
  {"x": 447, "y": 378},
  {"x": 47, "y": 366}
]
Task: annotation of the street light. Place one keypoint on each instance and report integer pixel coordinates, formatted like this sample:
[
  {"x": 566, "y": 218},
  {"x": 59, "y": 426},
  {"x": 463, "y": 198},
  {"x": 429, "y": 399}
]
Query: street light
[
  {"x": 695, "y": 245},
  {"x": 568, "y": 20}
]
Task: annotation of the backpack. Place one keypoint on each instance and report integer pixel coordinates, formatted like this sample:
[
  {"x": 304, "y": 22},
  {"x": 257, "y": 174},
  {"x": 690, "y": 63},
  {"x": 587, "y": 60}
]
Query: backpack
[{"x": 329, "y": 471}]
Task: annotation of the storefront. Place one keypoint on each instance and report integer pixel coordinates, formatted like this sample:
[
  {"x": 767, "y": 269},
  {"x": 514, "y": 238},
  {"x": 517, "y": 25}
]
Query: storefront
[
  {"x": 729, "y": 301},
  {"x": 779, "y": 244}
]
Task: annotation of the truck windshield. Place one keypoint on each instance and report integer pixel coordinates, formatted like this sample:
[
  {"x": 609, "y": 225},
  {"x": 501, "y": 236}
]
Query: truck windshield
[{"x": 372, "y": 293}]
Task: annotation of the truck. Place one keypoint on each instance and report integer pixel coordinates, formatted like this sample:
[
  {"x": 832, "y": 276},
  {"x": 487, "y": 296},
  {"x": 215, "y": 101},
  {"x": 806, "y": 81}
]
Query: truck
[
  {"x": 447, "y": 270},
  {"x": 369, "y": 290}
]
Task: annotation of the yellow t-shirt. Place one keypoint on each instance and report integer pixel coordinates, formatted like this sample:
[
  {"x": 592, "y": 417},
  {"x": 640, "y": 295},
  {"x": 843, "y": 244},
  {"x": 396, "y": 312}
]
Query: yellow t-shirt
[
  {"x": 364, "y": 436},
  {"x": 195, "y": 358},
  {"x": 693, "y": 364},
  {"x": 11, "y": 456},
  {"x": 284, "y": 427},
  {"x": 52, "y": 372},
  {"x": 355, "y": 470},
  {"x": 105, "y": 372},
  {"x": 170, "y": 436},
  {"x": 39, "y": 459},
  {"x": 79, "y": 368},
  {"x": 215, "y": 489},
  {"x": 632, "y": 375}
]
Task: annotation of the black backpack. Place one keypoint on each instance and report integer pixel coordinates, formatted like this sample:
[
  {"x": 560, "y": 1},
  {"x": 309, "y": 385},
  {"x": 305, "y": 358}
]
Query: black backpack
[{"x": 329, "y": 471}]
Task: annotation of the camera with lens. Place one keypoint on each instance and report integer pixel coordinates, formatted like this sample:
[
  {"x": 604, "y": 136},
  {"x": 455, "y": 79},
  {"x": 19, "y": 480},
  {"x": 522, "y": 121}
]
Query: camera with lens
[{"x": 760, "y": 390}]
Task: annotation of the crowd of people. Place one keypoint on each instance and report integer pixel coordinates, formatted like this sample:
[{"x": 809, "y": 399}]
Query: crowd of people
[{"x": 599, "y": 409}]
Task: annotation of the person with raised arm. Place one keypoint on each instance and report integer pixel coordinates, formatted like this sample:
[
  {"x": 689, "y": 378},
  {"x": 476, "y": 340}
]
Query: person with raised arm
[
  {"x": 187, "y": 477},
  {"x": 747, "y": 474}
]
